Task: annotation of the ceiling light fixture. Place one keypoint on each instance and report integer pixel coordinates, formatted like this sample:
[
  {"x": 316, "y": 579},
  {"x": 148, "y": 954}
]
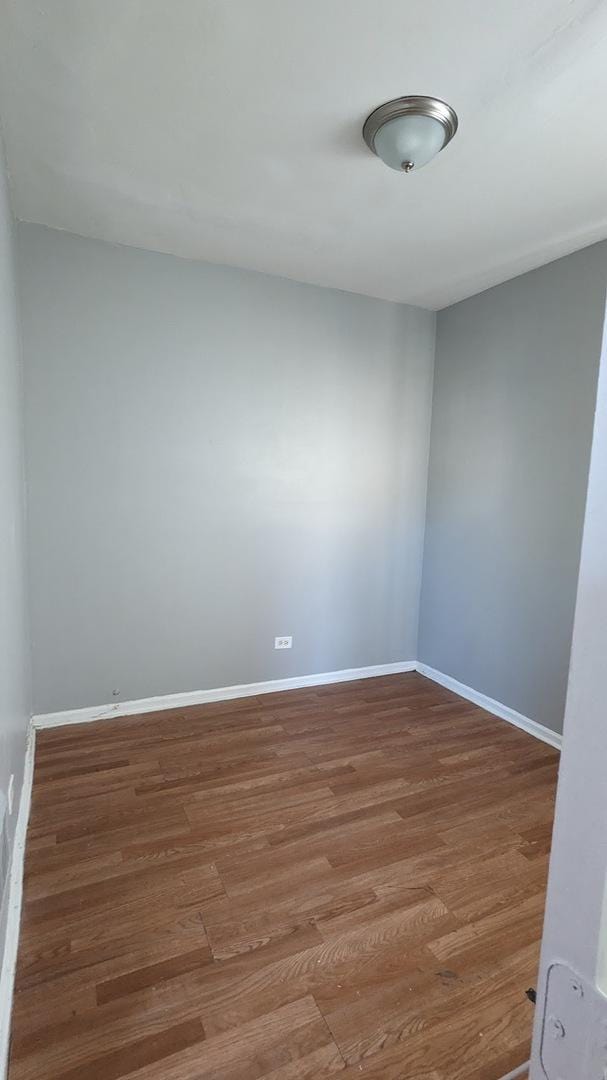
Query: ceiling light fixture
[{"x": 408, "y": 132}]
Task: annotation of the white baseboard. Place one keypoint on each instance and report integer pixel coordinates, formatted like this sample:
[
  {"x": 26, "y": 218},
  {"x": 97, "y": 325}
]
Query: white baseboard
[
  {"x": 227, "y": 693},
  {"x": 15, "y": 893},
  {"x": 492, "y": 706},
  {"x": 223, "y": 693},
  {"x": 523, "y": 1070}
]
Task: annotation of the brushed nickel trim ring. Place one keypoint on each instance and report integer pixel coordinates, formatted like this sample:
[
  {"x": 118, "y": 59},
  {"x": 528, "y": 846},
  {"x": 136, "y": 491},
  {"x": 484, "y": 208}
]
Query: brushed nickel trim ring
[{"x": 416, "y": 105}]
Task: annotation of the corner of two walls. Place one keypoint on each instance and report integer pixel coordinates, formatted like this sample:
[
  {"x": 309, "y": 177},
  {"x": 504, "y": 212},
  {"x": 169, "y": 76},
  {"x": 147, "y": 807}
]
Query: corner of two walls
[{"x": 217, "y": 457}]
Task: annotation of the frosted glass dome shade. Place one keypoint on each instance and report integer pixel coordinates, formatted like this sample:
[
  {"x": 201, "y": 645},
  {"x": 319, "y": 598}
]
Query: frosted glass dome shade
[
  {"x": 410, "y": 142},
  {"x": 407, "y": 132}
]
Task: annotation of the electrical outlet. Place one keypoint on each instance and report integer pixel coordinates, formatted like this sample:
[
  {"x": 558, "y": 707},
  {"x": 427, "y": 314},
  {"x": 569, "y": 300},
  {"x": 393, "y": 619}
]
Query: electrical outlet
[
  {"x": 10, "y": 795},
  {"x": 283, "y": 642}
]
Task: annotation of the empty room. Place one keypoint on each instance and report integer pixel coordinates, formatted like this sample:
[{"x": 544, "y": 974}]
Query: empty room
[{"x": 303, "y": 534}]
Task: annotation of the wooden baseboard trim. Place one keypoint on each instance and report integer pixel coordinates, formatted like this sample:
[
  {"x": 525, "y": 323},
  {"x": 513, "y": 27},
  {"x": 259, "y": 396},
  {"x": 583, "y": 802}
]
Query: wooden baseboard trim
[
  {"x": 14, "y": 898},
  {"x": 492, "y": 706},
  {"x": 223, "y": 693}
]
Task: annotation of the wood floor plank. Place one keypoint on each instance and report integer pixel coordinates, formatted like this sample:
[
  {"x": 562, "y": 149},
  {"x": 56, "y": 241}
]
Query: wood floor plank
[
  {"x": 140, "y": 1054},
  {"x": 121, "y": 985},
  {"x": 252, "y": 1050},
  {"x": 342, "y": 880}
]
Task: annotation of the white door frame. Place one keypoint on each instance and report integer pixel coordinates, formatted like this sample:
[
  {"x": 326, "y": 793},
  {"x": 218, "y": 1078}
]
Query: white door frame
[{"x": 570, "y": 1034}]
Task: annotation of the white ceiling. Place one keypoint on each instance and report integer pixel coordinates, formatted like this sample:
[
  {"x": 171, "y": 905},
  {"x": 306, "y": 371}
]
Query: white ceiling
[{"x": 230, "y": 131}]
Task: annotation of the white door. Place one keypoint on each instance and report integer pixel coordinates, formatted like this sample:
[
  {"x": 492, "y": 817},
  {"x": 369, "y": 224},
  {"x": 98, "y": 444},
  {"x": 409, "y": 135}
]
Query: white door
[{"x": 570, "y": 1037}]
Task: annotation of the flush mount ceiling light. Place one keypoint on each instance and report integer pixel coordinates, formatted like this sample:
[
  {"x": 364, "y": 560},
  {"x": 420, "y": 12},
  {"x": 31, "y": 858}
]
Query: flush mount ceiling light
[{"x": 408, "y": 132}]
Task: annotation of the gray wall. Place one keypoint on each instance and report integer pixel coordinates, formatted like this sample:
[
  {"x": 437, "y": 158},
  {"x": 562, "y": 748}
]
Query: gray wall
[
  {"x": 215, "y": 457},
  {"x": 14, "y": 653},
  {"x": 515, "y": 382}
]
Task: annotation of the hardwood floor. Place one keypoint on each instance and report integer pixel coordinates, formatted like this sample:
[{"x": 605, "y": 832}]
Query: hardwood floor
[{"x": 347, "y": 879}]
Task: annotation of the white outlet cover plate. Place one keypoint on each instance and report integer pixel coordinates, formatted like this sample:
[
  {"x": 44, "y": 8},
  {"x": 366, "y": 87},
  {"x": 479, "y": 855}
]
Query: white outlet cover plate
[{"x": 283, "y": 642}]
